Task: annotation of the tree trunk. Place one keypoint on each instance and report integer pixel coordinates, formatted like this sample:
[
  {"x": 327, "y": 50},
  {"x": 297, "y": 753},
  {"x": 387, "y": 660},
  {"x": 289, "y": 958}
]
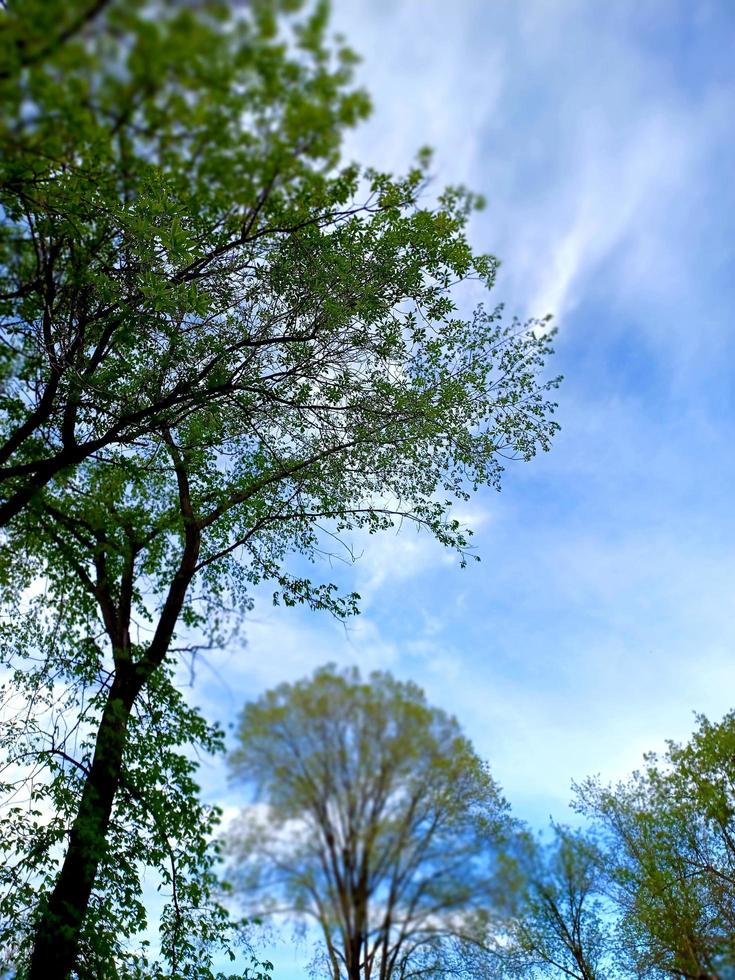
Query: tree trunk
[
  {"x": 56, "y": 945},
  {"x": 354, "y": 954}
]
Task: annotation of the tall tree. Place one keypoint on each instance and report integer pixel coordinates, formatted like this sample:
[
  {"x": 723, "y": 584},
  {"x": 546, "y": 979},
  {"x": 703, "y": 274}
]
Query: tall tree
[
  {"x": 380, "y": 823},
  {"x": 219, "y": 346}
]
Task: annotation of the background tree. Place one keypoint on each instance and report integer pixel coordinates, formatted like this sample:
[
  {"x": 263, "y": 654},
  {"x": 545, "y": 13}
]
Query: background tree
[
  {"x": 561, "y": 927},
  {"x": 215, "y": 337},
  {"x": 379, "y": 824},
  {"x": 669, "y": 835},
  {"x": 647, "y": 891}
]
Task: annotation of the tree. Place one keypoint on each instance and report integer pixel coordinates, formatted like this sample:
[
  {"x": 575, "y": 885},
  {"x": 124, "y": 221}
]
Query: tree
[
  {"x": 669, "y": 834},
  {"x": 381, "y": 825},
  {"x": 560, "y": 928},
  {"x": 220, "y": 348}
]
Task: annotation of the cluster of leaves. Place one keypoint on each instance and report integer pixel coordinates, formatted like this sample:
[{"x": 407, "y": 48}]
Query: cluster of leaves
[{"x": 141, "y": 159}]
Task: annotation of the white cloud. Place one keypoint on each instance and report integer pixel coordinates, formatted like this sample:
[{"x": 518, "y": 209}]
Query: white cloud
[{"x": 417, "y": 71}]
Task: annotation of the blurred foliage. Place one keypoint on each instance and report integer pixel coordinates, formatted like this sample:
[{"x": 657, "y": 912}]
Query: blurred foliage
[
  {"x": 376, "y": 821},
  {"x": 647, "y": 889}
]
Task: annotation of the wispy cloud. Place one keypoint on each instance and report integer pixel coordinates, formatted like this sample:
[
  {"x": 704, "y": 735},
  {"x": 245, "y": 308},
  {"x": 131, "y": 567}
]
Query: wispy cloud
[{"x": 565, "y": 116}]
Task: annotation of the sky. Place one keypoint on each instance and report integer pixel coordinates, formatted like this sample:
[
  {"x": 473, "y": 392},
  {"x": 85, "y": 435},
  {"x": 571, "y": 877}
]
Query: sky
[{"x": 600, "y": 617}]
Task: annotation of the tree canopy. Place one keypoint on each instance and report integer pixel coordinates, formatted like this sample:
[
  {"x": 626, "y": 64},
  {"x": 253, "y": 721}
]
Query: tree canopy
[
  {"x": 378, "y": 823},
  {"x": 220, "y": 347}
]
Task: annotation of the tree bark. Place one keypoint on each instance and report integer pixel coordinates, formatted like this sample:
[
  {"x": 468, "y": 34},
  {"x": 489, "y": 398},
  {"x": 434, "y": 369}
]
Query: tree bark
[{"x": 59, "y": 929}]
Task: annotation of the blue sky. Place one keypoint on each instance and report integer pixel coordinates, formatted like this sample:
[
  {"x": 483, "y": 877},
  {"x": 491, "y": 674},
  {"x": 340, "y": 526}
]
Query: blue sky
[{"x": 601, "y": 616}]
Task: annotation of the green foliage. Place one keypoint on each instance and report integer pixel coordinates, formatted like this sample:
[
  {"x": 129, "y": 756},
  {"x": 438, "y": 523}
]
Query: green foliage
[
  {"x": 646, "y": 891},
  {"x": 380, "y": 824},
  {"x": 158, "y": 152}
]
